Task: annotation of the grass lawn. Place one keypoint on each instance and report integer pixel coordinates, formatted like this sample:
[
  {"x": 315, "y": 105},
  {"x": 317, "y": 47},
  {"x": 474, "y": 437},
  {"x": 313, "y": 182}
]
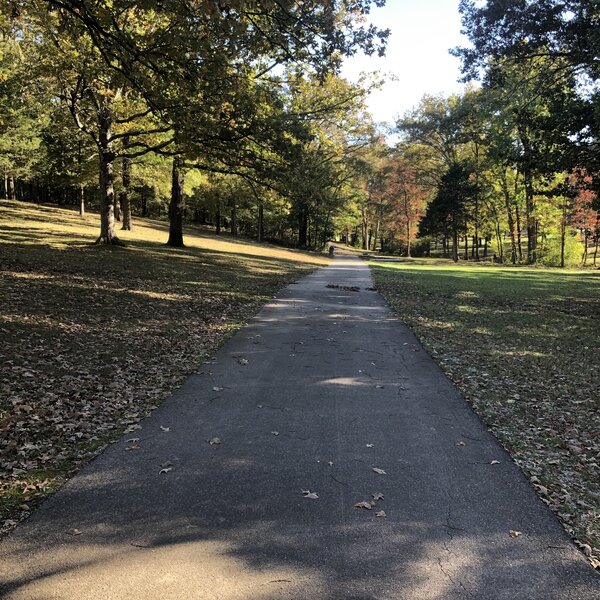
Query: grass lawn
[
  {"x": 94, "y": 337},
  {"x": 523, "y": 346}
]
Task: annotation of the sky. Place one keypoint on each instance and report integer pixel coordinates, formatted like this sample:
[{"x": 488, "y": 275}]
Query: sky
[{"x": 422, "y": 31}]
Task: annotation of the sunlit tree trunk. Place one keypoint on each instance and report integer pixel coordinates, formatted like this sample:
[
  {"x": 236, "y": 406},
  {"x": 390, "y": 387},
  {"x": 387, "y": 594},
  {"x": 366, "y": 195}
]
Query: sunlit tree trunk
[
  {"x": 81, "y": 192},
  {"x": 106, "y": 180}
]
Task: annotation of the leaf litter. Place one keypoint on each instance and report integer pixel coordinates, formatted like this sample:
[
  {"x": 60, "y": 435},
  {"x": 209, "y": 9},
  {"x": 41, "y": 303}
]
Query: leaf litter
[
  {"x": 524, "y": 363},
  {"x": 136, "y": 325}
]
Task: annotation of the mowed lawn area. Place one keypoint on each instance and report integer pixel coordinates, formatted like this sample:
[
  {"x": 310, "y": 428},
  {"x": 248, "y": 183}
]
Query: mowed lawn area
[
  {"x": 523, "y": 346},
  {"x": 94, "y": 337}
]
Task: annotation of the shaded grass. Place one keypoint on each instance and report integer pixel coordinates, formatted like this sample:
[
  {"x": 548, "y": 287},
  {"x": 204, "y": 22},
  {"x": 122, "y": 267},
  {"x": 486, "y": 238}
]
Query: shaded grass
[
  {"x": 522, "y": 344},
  {"x": 93, "y": 338}
]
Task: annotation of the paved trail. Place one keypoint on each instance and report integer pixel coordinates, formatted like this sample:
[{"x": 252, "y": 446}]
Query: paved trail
[{"x": 333, "y": 386}]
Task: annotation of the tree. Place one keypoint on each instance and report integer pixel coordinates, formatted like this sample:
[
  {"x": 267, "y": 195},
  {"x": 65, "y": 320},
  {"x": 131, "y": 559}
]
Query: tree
[
  {"x": 23, "y": 109},
  {"x": 405, "y": 195},
  {"x": 198, "y": 64},
  {"x": 585, "y": 211},
  {"x": 447, "y": 213},
  {"x": 523, "y": 30}
]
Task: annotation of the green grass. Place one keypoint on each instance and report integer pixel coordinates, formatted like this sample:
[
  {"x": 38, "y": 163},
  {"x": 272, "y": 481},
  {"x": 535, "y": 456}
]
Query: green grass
[
  {"x": 94, "y": 337},
  {"x": 522, "y": 344}
]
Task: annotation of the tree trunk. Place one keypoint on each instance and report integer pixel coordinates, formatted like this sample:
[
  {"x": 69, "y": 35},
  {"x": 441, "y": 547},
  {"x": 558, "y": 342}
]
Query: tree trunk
[
  {"x": 563, "y": 233},
  {"x": 11, "y": 188},
  {"x": 455, "y": 246},
  {"x": 126, "y": 193},
  {"x": 107, "y": 215},
  {"x": 376, "y": 234},
  {"x": 585, "y": 248},
  {"x": 596, "y": 236},
  {"x": 500, "y": 244},
  {"x": 81, "y": 191},
  {"x": 476, "y": 236},
  {"x": 5, "y": 187},
  {"x": 176, "y": 205},
  {"x": 303, "y": 226},
  {"x": 144, "y": 201},
  {"x": 531, "y": 220},
  {"x": 106, "y": 160},
  {"x": 511, "y": 220},
  {"x": 218, "y": 219},
  {"x": 326, "y": 229},
  {"x": 117, "y": 207},
  {"x": 466, "y": 247},
  {"x": 408, "y": 234},
  {"x": 234, "y": 223},
  {"x": 364, "y": 227},
  {"x": 261, "y": 223},
  {"x": 519, "y": 241}
]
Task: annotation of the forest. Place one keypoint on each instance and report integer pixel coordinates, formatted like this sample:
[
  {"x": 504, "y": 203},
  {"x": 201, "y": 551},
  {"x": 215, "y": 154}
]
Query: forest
[{"x": 234, "y": 115}]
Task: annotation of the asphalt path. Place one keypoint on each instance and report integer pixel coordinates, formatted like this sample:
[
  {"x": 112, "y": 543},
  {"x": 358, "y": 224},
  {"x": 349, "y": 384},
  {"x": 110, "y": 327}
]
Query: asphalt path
[{"x": 243, "y": 484}]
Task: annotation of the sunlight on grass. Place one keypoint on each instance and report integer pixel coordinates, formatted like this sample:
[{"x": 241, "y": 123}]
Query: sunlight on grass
[{"x": 23, "y": 223}]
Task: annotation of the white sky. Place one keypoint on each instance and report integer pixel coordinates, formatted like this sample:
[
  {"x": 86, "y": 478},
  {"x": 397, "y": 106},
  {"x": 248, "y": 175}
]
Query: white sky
[{"x": 422, "y": 32}]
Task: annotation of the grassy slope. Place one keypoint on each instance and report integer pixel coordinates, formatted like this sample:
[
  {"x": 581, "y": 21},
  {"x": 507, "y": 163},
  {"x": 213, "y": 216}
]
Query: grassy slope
[
  {"x": 522, "y": 344},
  {"x": 94, "y": 337}
]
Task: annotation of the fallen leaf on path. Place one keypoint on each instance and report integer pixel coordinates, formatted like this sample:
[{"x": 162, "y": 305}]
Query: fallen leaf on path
[
  {"x": 381, "y": 513},
  {"x": 515, "y": 534},
  {"x": 377, "y": 496},
  {"x": 167, "y": 463},
  {"x": 378, "y": 387},
  {"x": 495, "y": 462},
  {"x": 165, "y": 470},
  {"x": 165, "y": 429},
  {"x": 243, "y": 361},
  {"x": 74, "y": 532},
  {"x": 379, "y": 471},
  {"x": 370, "y": 445},
  {"x": 216, "y": 388},
  {"x": 133, "y": 447},
  {"x": 330, "y": 464},
  {"x": 366, "y": 505},
  {"x": 214, "y": 441},
  {"x": 310, "y": 495},
  {"x": 275, "y": 432},
  {"x": 460, "y": 444}
]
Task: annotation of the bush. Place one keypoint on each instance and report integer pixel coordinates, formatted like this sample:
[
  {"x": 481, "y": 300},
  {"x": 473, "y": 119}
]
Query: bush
[{"x": 549, "y": 255}]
